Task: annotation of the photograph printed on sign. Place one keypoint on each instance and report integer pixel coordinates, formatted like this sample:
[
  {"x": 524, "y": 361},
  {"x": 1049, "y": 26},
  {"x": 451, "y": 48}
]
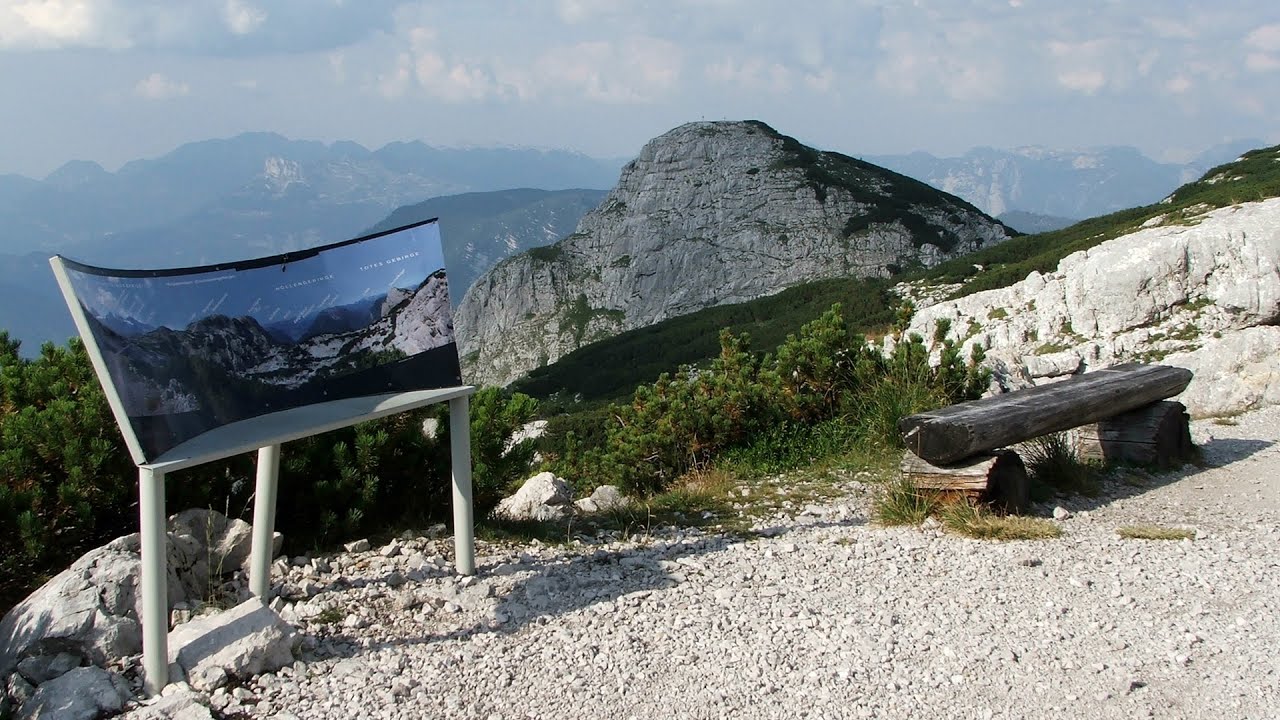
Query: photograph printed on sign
[{"x": 188, "y": 351}]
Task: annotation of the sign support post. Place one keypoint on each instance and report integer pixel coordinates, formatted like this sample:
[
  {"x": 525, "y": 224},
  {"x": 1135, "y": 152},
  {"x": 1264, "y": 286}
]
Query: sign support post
[
  {"x": 155, "y": 591},
  {"x": 264, "y": 520},
  {"x": 464, "y": 544}
]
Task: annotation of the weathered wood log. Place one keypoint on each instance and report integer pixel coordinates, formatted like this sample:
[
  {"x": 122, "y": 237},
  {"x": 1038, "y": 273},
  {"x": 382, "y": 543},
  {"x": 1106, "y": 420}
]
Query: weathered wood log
[
  {"x": 999, "y": 478},
  {"x": 1158, "y": 434},
  {"x": 948, "y": 434}
]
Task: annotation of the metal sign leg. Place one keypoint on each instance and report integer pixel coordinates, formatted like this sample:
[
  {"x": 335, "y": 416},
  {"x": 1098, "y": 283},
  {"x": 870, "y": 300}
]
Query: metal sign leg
[
  {"x": 264, "y": 520},
  {"x": 155, "y": 590},
  {"x": 464, "y": 545}
]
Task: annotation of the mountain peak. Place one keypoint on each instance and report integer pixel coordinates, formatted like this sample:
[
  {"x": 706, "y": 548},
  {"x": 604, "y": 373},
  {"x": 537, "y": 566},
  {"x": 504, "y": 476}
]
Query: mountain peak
[
  {"x": 76, "y": 173},
  {"x": 709, "y": 213}
]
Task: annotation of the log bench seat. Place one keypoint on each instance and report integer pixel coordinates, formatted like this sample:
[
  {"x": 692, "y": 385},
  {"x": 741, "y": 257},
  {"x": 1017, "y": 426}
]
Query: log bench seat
[{"x": 1116, "y": 415}]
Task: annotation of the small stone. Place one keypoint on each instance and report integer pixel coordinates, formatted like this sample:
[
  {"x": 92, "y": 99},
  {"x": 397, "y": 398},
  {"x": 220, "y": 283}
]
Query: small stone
[{"x": 358, "y": 546}]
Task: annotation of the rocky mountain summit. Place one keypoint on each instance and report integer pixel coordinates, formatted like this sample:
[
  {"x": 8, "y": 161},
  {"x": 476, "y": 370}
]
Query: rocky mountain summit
[{"x": 709, "y": 213}]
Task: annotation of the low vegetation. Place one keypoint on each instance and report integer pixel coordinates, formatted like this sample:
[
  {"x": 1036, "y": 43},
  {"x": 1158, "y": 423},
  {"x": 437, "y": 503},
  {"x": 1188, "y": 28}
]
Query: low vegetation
[
  {"x": 901, "y": 503},
  {"x": 67, "y": 482},
  {"x": 1054, "y": 467},
  {"x": 823, "y": 385}
]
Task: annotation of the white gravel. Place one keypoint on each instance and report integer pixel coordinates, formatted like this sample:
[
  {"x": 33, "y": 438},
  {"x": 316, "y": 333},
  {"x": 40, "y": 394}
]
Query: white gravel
[{"x": 827, "y": 616}]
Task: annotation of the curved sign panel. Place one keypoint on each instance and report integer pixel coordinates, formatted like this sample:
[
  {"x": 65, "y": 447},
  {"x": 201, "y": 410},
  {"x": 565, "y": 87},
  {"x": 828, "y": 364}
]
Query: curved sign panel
[{"x": 181, "y": 352}]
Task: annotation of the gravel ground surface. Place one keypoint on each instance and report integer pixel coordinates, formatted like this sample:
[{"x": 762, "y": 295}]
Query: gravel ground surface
[{"x": 824, "y": 616}]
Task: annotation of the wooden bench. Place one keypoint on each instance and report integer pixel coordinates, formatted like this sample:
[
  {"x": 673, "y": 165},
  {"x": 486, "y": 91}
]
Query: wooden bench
[{"x": 1117, "y": 414}]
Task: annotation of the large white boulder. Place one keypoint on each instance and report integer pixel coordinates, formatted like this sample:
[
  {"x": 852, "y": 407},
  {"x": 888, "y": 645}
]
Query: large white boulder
[
  {"x": 603, "y": 499},
  {"x": 542, "y": 497},
  {"x": 246, "y": 640}
]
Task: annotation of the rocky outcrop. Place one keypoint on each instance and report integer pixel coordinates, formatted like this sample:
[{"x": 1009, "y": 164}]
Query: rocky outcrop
[
  {"x": 710, "y": 213},
  {"x": 1202, "y": 294},
  {"x": 542, "y": 497},
  {"x": 88, "y": 615}
]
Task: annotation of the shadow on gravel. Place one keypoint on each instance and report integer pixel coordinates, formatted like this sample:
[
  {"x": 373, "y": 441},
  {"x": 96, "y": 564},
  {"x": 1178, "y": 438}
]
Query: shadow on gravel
[
  {"x": 1224, "y": 451},
  {"x": 1126, "y": 482},
  {"x": 602, "y": 578}
]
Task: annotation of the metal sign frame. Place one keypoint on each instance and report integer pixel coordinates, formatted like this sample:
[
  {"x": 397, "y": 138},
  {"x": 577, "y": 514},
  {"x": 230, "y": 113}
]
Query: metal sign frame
[{"x": 265, "y": 434}]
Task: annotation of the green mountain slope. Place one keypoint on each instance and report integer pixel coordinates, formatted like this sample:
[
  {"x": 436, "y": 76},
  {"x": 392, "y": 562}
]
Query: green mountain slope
[{"x": 612, "y": 368}]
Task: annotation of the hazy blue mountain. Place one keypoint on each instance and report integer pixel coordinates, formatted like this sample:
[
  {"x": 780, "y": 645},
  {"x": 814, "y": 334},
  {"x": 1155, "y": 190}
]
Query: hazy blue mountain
[
  {"x": 1062, "y": 183},
  {"x": 259, "y": 194},
  {"x": 197, "y": 189}
]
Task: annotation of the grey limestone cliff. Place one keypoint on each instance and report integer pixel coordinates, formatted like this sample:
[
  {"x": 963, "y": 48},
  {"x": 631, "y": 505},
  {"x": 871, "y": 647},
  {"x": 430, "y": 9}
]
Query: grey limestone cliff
[{"x": 709, "y": 213}]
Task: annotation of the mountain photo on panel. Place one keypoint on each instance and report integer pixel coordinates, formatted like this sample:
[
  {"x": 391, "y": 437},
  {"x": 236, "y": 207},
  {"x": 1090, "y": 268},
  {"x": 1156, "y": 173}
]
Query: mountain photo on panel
[{"x": 193, "y": 349}]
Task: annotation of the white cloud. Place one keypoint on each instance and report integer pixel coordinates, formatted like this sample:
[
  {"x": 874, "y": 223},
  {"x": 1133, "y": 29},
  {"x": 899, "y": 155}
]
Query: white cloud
[
  {"x": 754, "y": 74},
  {"x": 1262, "y": 62},
  {"x": 243, "y": 18},
  {"x": 159, "y": 87},
  {"x": 1265, "y": 38},
  {"x": 1087, "y": 81},
  {"x": 634, "y": 70},
  {"x": 57, "y": 23},
  {"x": 1179, "y": 84},
  {"x": 196, "y": 26},
  {"x": 451, "y": 82}
]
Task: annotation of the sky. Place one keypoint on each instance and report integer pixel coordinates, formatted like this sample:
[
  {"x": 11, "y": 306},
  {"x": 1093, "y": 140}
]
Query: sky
[{"x": 116, "y": 80}]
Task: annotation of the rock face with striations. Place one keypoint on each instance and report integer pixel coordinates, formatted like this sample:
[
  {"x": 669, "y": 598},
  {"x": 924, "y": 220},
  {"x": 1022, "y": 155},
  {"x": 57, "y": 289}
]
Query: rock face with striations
[
  {"x": 1202, "y": 293},
  {"x": 710, "y": 213}
]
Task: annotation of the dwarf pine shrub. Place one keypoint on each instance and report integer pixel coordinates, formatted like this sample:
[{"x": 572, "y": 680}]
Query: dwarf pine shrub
[{"x": 743, "y": 402}]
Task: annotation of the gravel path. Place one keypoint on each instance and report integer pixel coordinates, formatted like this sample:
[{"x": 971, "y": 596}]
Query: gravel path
[{"x": 825, "y": 616}]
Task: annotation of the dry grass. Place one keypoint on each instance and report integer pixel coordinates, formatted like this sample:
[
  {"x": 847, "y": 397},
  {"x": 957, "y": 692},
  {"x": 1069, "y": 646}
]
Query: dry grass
[
  {"x": 1155, "y": 532},
  {"x": 974, "y": 521}
]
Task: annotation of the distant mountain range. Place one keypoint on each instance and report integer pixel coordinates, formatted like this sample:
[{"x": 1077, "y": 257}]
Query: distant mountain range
[
  {"x": 261, "y": 194},
  {"x": 1068, "y": 184}
]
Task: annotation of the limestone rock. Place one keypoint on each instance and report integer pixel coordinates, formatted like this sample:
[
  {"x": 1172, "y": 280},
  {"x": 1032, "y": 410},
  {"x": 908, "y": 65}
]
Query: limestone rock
[
  {"x": 85, "y": 693},
  {"x": 39, "y": 669},
  {"x": 246, "y": 640},
  {"x": 1204, "y": 296},
  {"x": 708, "y": 214},
  {"x": 603, "y": 499},
  {"x": 91, "y": 609},
  {"x": 542, "y": 497},
  {"x": 179, "y": 705}
]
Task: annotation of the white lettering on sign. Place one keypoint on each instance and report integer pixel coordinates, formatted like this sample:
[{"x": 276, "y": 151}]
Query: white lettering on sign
[{"x": 389, "y": 261}]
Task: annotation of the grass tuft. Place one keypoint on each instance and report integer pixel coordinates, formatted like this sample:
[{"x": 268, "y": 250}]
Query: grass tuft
[
  {"x": 1155, "y": 532},
  {"x": 977, "y": 522},
  {"x": 901, "y": 503},
  {"x": 1052, "y": 462}
]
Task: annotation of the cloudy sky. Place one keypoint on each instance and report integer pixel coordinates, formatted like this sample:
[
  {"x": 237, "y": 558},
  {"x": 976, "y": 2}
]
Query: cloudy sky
[{"x": 114, "y": 80}]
